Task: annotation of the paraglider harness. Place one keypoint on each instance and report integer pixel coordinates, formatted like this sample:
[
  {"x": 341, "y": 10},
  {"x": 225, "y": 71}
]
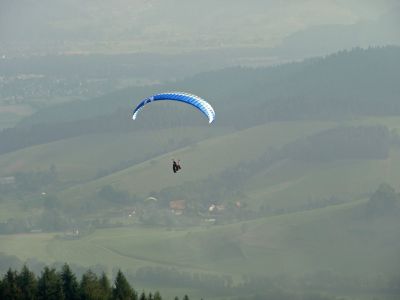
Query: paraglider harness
[{"x": 176, "y": 166}]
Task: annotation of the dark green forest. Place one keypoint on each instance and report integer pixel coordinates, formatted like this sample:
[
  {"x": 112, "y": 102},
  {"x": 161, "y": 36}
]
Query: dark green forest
[{"x": 63, "y": 284}]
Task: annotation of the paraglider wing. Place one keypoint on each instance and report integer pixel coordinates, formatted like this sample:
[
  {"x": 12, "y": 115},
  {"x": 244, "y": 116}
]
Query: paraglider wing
[{"x": 193, "y": 100}]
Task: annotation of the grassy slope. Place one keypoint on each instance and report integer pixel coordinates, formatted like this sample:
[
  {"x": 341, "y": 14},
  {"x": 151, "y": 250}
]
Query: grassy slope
[
  {"x": 80, "y": 158},
  {"x": 201, "y": 160},
  {"x": 289, "y": 182},
  {"x": 332, "y": 238},
  {"x": 283, "y": 185},
  {"x": 299, "y": 182}
]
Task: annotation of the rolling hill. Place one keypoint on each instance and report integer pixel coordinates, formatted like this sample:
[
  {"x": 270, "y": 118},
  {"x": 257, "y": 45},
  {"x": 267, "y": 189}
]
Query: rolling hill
[
  {"x": 212, "y": 173},
  {"x": 339, "y": 86}
]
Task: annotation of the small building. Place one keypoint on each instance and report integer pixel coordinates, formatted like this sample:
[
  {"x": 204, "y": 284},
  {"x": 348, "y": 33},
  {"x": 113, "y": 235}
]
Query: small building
[{"x": 177, "y": 206}]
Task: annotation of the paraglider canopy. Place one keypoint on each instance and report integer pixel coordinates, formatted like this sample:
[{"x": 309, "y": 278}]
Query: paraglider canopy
[{"x": 191, "y": 99}]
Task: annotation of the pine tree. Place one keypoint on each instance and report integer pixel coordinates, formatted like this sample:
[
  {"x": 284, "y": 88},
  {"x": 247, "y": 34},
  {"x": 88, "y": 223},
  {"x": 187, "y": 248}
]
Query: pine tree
[
  {"x": 122, "y": 289},
  {"x": 10, "y": 289},
  {"x": 27, "y": 283},
  {"x": 105, "y": 286},
  {"x": 143, "y": 296},
  {"x": 91, "y": 288},
  {"x": 186, "y": 297},
  {"x": 157, "y": 296},
  {"x": 49, "y": 286},
  {"x": 69, "y": 283},
  {"x": 64, "y": 286}
]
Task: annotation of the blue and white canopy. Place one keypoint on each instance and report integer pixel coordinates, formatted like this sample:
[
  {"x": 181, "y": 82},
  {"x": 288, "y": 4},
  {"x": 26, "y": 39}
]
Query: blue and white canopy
[{"x": 193, "y": 100}]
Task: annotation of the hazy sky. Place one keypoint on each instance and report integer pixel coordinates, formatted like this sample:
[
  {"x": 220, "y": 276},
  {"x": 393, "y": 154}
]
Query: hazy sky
[{"x": 169, "y": 25}]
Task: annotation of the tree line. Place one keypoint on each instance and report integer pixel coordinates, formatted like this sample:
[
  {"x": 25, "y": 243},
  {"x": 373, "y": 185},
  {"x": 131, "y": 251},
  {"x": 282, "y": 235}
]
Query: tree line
[
  {"x": 343, "y": 142},
  {"x": 94, "y": 284},
  {"x": 64, "y": 285}
]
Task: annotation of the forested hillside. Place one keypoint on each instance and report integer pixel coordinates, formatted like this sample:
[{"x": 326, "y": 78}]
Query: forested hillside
[
  {"x": 344, "y": 84},
  {"x": 341, "y": 86}
]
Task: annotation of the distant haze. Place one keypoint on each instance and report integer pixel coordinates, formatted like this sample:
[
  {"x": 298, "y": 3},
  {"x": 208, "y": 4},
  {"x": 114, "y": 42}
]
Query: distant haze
[{"x": 172, "y": 26}]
